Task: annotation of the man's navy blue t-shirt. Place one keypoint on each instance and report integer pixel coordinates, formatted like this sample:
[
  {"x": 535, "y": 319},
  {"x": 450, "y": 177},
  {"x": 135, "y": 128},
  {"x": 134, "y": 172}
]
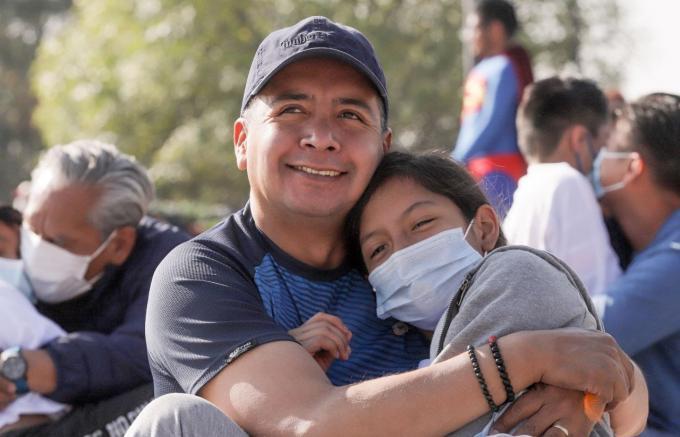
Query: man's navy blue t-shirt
[{"x": 232, "y": 289}]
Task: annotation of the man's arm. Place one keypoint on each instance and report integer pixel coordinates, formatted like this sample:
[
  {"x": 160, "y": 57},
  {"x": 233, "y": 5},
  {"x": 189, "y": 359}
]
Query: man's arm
[
  {"x": 642, "y": 305},
  {"x": 282, "y": 379},
  {"x": 85, "y": 365}
]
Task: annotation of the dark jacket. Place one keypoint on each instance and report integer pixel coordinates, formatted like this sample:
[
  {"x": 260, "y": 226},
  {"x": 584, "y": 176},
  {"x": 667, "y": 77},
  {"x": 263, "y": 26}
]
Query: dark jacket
[{"x": 104, "y": 353}]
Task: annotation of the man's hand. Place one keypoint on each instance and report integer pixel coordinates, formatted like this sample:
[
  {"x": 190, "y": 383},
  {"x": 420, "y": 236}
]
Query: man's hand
[
  {"x": 325, "y": 337},
  {"x": 7, "y": 393},
  {"x": 585, "y": 361},
  {"x": 538, "y": 409}
]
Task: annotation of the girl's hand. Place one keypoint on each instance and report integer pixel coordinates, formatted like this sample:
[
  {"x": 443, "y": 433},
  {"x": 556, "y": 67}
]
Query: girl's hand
[{"x": 325, "y": 337}]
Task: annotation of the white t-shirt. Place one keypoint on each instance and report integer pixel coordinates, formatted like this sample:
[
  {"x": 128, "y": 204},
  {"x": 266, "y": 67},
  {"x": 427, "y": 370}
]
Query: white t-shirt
[
  {"x": 22, "y": 325},
  {"x": 555, "y": 209}
]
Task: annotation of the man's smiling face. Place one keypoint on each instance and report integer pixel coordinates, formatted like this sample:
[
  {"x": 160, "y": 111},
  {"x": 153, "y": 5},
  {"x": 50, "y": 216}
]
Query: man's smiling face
[{"x": 311, "y": 139}]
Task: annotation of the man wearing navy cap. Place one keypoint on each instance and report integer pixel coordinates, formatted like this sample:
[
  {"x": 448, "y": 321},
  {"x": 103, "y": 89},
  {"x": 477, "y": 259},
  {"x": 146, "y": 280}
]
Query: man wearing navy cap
[{"x": 262, "y": 315}]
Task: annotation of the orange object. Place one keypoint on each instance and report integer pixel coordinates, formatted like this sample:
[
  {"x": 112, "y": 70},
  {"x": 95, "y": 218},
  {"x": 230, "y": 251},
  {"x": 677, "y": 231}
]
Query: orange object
[{"x": 593, "y": 406}]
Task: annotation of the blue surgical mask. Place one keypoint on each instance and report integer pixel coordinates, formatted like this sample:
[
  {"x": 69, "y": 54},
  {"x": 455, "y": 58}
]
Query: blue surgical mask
[
  {"x": 591, "y": 150},
  {"x": 595, "y": 174},
  {"x": 12, "y": 272},
  {"x": 416, "y": 284}
]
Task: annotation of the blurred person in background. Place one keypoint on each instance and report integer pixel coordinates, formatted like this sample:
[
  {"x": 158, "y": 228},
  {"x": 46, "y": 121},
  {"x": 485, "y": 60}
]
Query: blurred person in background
[
  {"x": 10, "y": 224},
  {"x": 89, "y": 253},
  {"x": 11, "y": 266},
  {"x": 487, "y": 142},
  {"x": 562, "y": 123},
  {"x": 20, "y": 326},
  {"x": 637, "y": 177}
]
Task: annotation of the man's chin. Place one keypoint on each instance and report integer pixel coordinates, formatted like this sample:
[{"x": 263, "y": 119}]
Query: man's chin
[{"x": 320, "y": 210}]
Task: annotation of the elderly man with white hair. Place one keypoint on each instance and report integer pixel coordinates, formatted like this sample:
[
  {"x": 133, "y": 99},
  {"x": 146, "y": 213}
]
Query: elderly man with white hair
[{"x": 89, "y": 253}]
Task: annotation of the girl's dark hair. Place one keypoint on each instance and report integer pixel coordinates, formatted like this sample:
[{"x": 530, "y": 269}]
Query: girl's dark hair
[{"x": 434, "y": 171}]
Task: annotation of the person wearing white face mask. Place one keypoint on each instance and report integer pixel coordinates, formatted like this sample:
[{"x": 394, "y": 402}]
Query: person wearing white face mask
[
  {"x": 89, "y": 253},
  {"x": 431, "y": 244},
  {"x": 20, "y": 323},
  {"x": 637, "y": 178}
]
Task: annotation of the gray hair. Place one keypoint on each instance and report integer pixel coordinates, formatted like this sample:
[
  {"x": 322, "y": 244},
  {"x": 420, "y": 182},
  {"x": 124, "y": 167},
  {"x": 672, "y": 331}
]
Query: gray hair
[{"x": 126, "y": 189}]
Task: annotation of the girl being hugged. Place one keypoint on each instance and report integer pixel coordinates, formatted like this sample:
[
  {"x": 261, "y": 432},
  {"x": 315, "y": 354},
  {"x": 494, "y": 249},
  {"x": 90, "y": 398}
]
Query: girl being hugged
[{"x": 433, "y": 249}]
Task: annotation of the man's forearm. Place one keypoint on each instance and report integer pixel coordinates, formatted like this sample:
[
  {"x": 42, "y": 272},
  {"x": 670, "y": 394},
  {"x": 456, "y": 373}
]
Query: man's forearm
[
  {"x": 430, "y": 401},
  {"x": 300, "y": 399}
]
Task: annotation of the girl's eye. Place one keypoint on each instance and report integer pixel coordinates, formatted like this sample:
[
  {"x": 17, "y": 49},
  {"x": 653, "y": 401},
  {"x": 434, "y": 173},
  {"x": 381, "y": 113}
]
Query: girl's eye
[
  {"x": 422, "y": 223},
  {"x": 377, "y": 251}
]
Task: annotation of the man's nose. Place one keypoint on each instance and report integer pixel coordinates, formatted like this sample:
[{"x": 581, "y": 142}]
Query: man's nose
[{"x": 320, "y": 135}]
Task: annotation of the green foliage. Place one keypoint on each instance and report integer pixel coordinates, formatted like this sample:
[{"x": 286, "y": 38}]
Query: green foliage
[
  {"x": 163, "y": 79},
  {"x": 21, "y": 27}
]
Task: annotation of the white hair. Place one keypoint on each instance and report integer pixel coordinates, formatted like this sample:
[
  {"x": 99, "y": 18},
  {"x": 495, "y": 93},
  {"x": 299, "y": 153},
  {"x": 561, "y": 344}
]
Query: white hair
[{"x": 126, "y": 189}]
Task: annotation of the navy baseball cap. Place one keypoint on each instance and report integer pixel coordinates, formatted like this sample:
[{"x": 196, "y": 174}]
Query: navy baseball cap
[{"x": 313, "y": 37}]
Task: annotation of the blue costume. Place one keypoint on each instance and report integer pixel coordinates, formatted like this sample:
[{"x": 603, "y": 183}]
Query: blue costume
[
  {"x": 642, "y": 313},
  {"x": 487, "y": 142}
]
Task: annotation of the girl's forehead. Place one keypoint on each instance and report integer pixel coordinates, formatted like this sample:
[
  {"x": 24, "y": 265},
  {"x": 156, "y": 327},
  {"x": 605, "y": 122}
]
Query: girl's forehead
[{"x": 398, "y": 197}]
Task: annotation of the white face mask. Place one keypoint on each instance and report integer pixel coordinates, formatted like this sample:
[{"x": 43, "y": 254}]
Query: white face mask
[
  {"x": 56, "y": 274},
  {"x": 12, "y": 272},
  {"x": 416, "y": 284}
]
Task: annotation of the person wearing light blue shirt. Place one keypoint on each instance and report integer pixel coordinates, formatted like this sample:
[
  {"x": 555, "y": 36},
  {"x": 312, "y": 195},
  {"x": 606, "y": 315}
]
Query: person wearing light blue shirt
[{"x": 637, "y": 178}]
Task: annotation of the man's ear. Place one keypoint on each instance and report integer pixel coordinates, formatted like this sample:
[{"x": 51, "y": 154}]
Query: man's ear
[
  {"x": 636, "y": 166},
  {"x": 121, "y": 244},
  {"x": 387, "y": 140},
  {"x": 487, "y": 228},
  {"x": 240, "y": 137}
]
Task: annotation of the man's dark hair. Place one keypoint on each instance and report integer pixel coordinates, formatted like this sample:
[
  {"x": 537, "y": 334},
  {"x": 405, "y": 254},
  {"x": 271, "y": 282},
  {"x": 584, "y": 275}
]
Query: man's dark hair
[
  {"x": 498, "y": 10},
  {"x": 434, "y": 171},
  {"x": 654, "y": 122},
  {"x": 550, "y": 106},
  {"x": 10, "y": 216}
]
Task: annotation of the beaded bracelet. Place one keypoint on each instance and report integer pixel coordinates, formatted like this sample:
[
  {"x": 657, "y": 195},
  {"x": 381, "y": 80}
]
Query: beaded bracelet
[
  {"x": 500, "y": 365},
  {"x": 480, "y": 378}
]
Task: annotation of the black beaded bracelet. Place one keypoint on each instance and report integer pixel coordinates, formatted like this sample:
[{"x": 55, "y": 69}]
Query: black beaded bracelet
[
  {"x": 500, "y": 365},
  {"x": 480, "y": 378}
]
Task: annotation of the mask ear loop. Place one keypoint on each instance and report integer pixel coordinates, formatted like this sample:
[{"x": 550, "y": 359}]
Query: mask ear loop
[{"x": 467, "y": 231}]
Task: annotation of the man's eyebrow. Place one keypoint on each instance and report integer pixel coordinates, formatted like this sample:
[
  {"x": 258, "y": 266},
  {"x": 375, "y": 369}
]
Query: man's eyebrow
[
  {"x": 290, "y": 96},
  {"x": 354, "y": 102}
]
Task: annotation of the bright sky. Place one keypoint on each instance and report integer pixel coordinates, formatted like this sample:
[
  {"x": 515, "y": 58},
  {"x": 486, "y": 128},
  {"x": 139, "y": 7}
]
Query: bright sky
[{"x": 654, "y": 60}]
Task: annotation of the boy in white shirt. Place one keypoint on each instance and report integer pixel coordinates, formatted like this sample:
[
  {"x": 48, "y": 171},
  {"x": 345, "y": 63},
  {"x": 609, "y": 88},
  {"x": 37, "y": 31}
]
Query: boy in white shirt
[{"x": 561, "y": 126}]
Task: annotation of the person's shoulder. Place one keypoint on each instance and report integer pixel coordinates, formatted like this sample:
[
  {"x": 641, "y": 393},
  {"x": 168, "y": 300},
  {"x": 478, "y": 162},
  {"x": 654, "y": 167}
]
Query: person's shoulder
[
  {"x": 498, "y": 63},
  {"x": 233, "y": 244},
  {"x": 517, "y": 261},
  {"x": 557, "y": 172},
  {"x": 560, "y": 179}
]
